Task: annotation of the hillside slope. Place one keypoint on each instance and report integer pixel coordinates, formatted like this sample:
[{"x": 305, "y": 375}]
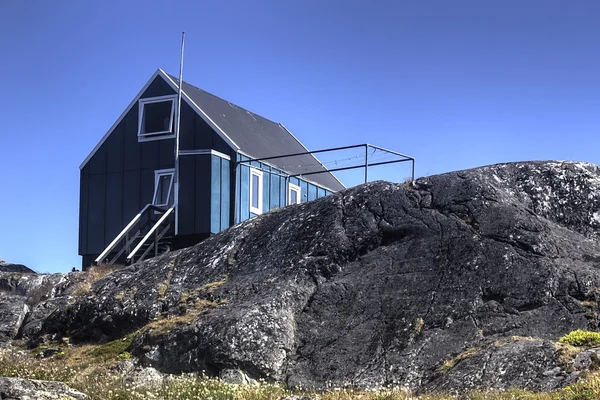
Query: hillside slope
[{"x": 460, "y": 280}]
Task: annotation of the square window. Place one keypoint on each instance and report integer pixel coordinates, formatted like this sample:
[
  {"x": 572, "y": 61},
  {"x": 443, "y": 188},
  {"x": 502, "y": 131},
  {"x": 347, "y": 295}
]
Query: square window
[
  {"x": 256, "y": 188},
  {"x": 156, "y": 117},
  {"x": 293, "y": 194}
]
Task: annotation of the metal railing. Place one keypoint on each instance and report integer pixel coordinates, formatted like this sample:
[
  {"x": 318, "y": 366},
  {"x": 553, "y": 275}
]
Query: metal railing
[{"x": 135, "y": 228}]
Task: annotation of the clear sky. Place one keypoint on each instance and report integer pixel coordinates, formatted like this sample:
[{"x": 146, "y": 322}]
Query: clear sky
[{"x": 456, "y": 84}]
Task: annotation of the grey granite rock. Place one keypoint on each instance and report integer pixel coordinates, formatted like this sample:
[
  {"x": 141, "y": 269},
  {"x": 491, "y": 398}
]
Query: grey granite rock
[
  {"x": 377, "y": 285},
  {"x": 29, "y": 389}
]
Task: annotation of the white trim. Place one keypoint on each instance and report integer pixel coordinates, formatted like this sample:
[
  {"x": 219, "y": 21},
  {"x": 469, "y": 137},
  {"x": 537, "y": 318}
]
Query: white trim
[
  {"x": 199, "y": 152},
  {"x": 188, "y": 100},
  {"x": 259, "y": 174},
  {"x": 157, "y": 174},
  {"x": 294, "y": 188},
  {"x": 154, "y": 137},
  {"x": 313, "y": 156},
  {"x": 170, "y": 133}
]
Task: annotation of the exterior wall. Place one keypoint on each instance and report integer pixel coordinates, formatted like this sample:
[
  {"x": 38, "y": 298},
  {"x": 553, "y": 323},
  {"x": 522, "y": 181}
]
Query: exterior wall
[
  {"x": 118, "y": 181},
  {"x": 199, "y": 212},
  {"x": 275, "y": 189}
]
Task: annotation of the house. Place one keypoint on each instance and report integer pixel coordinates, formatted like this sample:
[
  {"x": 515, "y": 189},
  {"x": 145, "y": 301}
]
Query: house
[{"x": 129, "y": 186}]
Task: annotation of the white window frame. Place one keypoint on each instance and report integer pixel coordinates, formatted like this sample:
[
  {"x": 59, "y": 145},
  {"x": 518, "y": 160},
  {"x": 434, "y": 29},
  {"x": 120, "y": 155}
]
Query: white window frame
[
  {"x": 168, "y": 134},
  {"x": 259, "y": 174},
  {"x": 157, "y": 174},
  {"x": 293, "y": 188}
]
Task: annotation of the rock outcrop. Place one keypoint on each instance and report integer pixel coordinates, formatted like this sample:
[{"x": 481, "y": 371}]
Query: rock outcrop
[
  {"x": 415, "y": 285},
  {"x": 30, "y": 389},
  {"x": 26, "y": 299},
  {"x": 6, "y": 267}
]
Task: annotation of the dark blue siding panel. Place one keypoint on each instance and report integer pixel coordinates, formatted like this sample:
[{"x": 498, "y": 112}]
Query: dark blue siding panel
[
  {"x": 114, "y": 156},
  {"x": 147, "y": 186},
  {"x": 97, "y": 164},
  {"x": 187, "y": 195},
  {"x": 131, "y": 196},
  {"x": 225, "y": 194},
  {"x": 215, "y": 195},
  {"x": 203, "y": 136},
  {"x": 158, "y": 88},
  {"x": 187, "y": 128},
  {"x": 132, "y": 151},
  {"x": 166, "y": 154},
  {"x": 83, "y": 211},
  {"x": 219, "y": 144},
  {"x": 97, "y": 209},
  {"x": 114, "y": 206},
  {"x": 244, "y": 192},
  {"x": 202, "y": 188}
]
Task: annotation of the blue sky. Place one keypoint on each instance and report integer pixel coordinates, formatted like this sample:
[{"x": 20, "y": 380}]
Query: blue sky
[{"x": 456, "y": 84}]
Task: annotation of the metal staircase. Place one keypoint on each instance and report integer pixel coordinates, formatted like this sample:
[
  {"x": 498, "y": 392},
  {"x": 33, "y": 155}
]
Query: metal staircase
[{"x": 148, "y": 234}]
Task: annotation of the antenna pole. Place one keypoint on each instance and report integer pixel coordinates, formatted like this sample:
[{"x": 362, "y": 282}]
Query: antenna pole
[{"x": 177, "y": 128}]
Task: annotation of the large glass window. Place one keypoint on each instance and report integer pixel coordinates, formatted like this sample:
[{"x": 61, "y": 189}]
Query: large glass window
[
  {"x": 256, "y": 187},
  {"x": 156, "y": 117},
  {"x": 163, "y": 187}
]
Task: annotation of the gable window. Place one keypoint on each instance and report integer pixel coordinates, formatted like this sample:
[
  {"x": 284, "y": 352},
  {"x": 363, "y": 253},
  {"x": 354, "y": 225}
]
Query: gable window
[
  {"x": 256, "y": 189},
  {"x": 156, "y": 115},
  {"x": 293, "y": 194},
  {"x": 163, "y": 187}
]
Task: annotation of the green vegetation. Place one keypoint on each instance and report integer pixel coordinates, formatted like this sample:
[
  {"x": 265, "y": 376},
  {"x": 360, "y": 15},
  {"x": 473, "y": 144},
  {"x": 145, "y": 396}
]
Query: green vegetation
[
  {"x": 117, "y": 349},
  {"x": 581, "y": 338},
  {"x": 102, "y": 379},
  {"x": 95, "y": 370}
]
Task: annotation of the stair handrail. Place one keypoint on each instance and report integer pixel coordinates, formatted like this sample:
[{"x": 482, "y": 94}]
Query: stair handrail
[
  {"x": 124, "y": 232},
  {"x": 150, "y": 232}
]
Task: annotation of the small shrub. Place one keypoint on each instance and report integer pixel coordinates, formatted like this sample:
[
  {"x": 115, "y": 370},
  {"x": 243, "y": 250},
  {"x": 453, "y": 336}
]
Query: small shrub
[{"x": 581, "y": 338}]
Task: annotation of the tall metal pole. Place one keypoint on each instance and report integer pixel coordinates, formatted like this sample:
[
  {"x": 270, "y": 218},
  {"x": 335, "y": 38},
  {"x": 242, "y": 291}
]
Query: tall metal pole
[
  {"x": 177, "y": 127},
  {"x": 366, "y": 163}
]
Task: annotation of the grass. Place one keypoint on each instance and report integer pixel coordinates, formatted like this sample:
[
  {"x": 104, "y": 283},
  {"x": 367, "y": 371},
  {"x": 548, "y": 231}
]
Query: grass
[
  {"x": 92, "y": 275},
  {"x": 115, "y": 349},
  {"x": 93, "y": 369},
  {"x": 449, "y": 364}
]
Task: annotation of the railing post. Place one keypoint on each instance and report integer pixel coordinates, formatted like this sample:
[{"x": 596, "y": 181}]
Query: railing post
[{"x": 366, "y": 163}]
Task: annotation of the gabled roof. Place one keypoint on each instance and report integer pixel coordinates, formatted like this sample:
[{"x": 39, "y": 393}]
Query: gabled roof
[{"x": 246, "y": 132}]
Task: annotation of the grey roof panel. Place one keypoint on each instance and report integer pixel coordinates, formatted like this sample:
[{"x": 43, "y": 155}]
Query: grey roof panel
[{"x": 259, "y": 137}]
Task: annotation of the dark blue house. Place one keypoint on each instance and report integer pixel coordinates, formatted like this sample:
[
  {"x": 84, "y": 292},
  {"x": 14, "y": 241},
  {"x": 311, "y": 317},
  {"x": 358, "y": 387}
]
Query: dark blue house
[{"x": 131, "y": 205}]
